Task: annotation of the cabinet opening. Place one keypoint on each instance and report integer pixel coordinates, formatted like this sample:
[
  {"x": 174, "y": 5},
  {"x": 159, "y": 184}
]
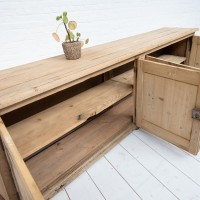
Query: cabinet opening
[
  {"x": 49, "y": 101},
  {"x": 177, "y": 53},
  {"x": 48, "y": 120}
]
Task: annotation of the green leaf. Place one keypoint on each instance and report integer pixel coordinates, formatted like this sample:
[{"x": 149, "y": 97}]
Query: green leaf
[
  {"x": 66, "y": 38},
  {"x": 78, "y": 34},
  {"x": 86, "y": 41},
  {"x": 71, "y": 35},
  {"x": 65, "y": 19},
  {"x": 58, "y": 18},
  {"x": 65, "y": 13}
]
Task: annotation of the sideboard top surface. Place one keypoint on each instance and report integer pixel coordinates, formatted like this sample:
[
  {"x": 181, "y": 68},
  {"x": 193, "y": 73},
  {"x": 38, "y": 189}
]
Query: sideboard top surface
[{"x": 20, "y": 84}]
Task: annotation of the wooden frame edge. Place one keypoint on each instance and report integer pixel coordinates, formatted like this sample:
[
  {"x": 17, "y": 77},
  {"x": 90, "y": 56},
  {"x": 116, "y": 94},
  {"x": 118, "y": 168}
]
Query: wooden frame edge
[{"x": 33, "y": 192}]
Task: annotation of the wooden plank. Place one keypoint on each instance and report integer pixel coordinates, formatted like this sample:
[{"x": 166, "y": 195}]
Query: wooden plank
[
  {"x": 6, "y": 175},
  {"x": 126, "y": 77},
  {"x": 70, "y": 72},
  {"x": 154, "y": 59},
  {"x": 173, "y": 179},
  {"x": 172, "y": 58},
  {"x": 187, "y": 75},
  {"x": 142, "y": 181},
  {"x": 85, "y": 187},
  {"x": 76, "y": 152},
  {"x": 3, "y": 191},
  {"x": 195, "y": 134},
  {"x": 90, "y": 161},
  {"x": 34, "y": 133},
  {"x": 195, "y": 52},
  {"x": 139, "y": 96},
  {"x": 26, "y": 185},
  {"x": 166, "y": 135},
  {"x": 111, "y": 184}
]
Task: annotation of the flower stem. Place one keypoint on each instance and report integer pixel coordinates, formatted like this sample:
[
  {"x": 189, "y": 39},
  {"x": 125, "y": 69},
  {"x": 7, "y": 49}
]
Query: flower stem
[{"x": 67, "y": 32}]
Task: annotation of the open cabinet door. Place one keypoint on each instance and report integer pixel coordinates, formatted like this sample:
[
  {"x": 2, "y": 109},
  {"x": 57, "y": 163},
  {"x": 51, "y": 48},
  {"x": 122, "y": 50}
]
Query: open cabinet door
[
  {"x": 195, "y": 52},
  {"x": 167, "y": 96}
]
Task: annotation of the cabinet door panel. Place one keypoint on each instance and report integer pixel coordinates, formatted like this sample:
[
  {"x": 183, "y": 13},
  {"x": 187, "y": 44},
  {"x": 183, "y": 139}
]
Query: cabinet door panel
[{"x": 166, "y": 96}]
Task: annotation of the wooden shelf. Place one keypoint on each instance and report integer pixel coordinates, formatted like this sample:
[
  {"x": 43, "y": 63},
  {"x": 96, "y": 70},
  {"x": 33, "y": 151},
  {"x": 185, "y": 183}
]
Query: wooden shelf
[
  {"x": 172, "y": 58},
  {"x": 126, "y": 77},
  {"x": 40, "y": 130},
  {"x": 54, "y": 166}
]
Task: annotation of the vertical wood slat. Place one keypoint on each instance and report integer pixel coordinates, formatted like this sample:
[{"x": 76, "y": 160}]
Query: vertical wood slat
[
  {"x": 26, "y": 185},
  {"x": 6, "y": 176},
  {"x": 139, "y": 96},
  {"x": 195, "y": 135},
  {"x": 3, "y": 192},
  {"x": 195, "y": 52},
  {"x": 134, "y": 89}
]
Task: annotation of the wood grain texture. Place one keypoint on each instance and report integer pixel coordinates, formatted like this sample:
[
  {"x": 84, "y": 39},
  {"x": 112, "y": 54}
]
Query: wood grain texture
[
  {"x": 3, "y": 191},
  {"x": 19, "y": 85},
  {"x": 195, "y": 52},
  {"x": 6, "y": 175},
  {"x": 25, "y": 183},
  {"x": 155, "y": 59},
  {"x": 76, "y": 149},
  {"x": 126, "y": 77},
  {"x": 37, "y": 131},
  {"x": 165, "y": 102},
  {"x": 172, "y": 58}
]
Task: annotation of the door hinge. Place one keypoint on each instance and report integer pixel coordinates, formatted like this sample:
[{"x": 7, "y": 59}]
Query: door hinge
[{"x": 196, "y": 113}]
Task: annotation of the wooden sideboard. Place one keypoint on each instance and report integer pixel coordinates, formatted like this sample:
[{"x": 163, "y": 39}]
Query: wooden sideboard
[{"x": 59, "y": 116}]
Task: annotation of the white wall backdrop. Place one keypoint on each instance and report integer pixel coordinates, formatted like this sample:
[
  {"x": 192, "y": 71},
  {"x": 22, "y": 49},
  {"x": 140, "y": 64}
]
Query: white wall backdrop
[{"x": 26, "y": 25}]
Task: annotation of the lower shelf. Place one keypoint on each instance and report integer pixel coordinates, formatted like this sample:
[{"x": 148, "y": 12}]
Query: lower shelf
[{"x": 60, "y": 163}]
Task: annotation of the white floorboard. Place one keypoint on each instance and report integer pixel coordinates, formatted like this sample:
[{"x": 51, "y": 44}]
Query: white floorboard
[
  {"x": 179, "y": 184},
  {"x": 177, "y": 157},
  {"x": 62, "y": 195},
  {"x": 83, "y": 187},
  {"x": 137, "y": 176},
  {"x": 142, "y": 166},
  {"x": 110, "y": 183}
]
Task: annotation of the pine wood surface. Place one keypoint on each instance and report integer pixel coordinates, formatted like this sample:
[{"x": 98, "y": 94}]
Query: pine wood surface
[
  {"x": 156, "y": 59},
  {"x": 65, "y": 156},
  {"x": 6, "y": 175},
  {"x": 195, "y": 52},
  {"x": 34, "y": 133},
  {"x": 26, "y": 185},
  {"x": 165, "y": 104},
  {"x": 3, "y": 191},
  {"x": 20, "y": 84},
  {"x": 172, "y": 58}
]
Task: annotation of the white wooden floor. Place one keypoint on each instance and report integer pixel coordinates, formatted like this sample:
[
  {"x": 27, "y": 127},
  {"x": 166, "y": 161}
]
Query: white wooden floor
[{"x": 140, "y": 167}]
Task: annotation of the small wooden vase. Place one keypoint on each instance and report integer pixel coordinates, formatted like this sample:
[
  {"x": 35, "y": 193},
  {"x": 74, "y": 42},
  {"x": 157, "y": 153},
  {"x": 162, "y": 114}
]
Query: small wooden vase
[{"x": 72, "y": 50}]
